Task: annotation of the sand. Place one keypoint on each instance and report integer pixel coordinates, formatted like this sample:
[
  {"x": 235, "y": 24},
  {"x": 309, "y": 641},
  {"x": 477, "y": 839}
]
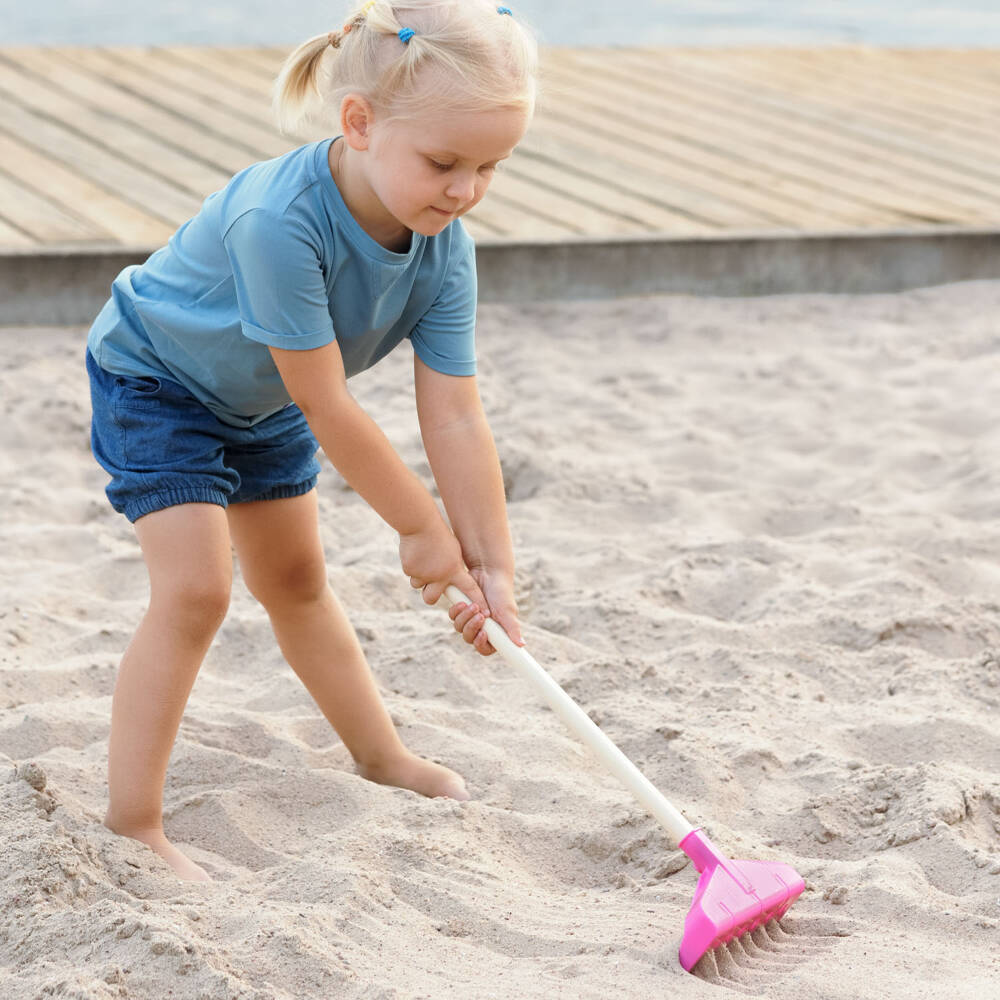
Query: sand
[{"x": 758, "y": 541}]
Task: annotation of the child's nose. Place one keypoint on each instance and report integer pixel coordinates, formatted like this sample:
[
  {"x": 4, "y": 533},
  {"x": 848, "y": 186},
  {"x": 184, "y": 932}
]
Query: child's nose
[{"x": 462, "y": 187}]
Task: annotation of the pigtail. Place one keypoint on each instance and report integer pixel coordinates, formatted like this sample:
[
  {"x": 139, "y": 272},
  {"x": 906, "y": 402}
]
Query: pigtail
[{"x": 297, "y": 83}]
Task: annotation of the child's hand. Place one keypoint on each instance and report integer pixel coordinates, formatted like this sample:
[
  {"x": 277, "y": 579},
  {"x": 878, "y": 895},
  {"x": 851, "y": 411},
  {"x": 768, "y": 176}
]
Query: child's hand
[
  {"x": 469, "y": 619},
  {"x": 432, "y": 559}
]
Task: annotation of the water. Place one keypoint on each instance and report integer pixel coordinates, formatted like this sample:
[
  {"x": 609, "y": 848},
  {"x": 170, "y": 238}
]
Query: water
[{"x": 558, "y": 22}]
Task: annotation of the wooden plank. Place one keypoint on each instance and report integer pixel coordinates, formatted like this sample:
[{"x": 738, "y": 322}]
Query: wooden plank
[
  {"x": 886, "y": 111},
  {"x": 257, "y": 141},
  {"x": 262, "y": 60},
  {"x": 218, "y": 64},
  {"x": 477, "y": 230},
  {"x": 825, "y": 129},
  {"x": 973, "y": 71},
  {"x": 104, "y": 167},
  {"x": 124, "y": 223},
  {"x": 558, "y": 138},
  {"x": 852, "y": 121},
  {"x": 719, "y": 130},
  {"x": 245, "y": 108},
  {"x": 631, "y": 174},
  {"x": 14, "y": 239},
  {"x": 123, "y": 144},
  {"x": 911, "y": 103},
  {"x": 969, "y": 102},
  {"x": 571, "y": 214},
  {"x": 509, "y": 217},
  {"x": 766, "y": 192},
  {"x": 967, "y": 73},
  {"x": 751, "y": 132},
  {"x": 41, "y": 218},
  {"x": 638, "y": 212},
  {"x": 182, "y": 132},
  {"x": 962, "y": 103},
  {"x": 157, "y": 159}
]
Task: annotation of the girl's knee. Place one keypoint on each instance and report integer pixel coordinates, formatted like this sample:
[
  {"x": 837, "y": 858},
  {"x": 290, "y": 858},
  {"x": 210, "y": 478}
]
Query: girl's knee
[
  {"x": 197, "y": 605},
  {"x": 295, "y": 581}
]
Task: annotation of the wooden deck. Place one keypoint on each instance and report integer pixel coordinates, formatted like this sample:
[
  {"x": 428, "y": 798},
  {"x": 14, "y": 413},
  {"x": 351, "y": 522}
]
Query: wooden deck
[{"x": 106, "y": 147}]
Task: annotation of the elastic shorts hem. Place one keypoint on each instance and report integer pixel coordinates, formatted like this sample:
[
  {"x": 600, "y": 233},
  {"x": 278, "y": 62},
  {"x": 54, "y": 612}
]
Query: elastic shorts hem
[
  {"x": 150, "y": 503},
  {"x": 283, "y": 492}
]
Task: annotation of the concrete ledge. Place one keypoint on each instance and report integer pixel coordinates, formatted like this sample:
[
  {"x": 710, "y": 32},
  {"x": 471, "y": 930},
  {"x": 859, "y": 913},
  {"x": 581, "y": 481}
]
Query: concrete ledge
[
  {"x": 734, "y": 264},
  {"x": 68, "y": 285}
]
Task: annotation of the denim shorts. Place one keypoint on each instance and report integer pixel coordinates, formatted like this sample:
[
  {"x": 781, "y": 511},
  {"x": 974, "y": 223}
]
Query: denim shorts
[{"x": 162, "y": 447}]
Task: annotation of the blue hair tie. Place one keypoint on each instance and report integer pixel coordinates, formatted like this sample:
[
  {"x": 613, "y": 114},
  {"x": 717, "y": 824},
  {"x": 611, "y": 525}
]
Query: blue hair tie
[
  {"x": 505, "y": 10},
  {"x": 405, "y": 35}
]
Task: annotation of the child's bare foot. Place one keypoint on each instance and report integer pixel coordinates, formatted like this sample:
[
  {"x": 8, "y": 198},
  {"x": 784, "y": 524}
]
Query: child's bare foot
[
  {"x": 156, "y": 839},
  {"x": 419, "y": 775}
]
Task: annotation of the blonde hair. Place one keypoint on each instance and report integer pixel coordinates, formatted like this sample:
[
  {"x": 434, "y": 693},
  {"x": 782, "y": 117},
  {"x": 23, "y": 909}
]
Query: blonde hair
[{"x": 463, "y": 55}]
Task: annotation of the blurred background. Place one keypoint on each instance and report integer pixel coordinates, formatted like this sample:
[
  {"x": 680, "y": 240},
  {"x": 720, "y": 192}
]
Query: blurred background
[
  {"x": 678, "y": 130},
  {"x": 558, "y": 22}
]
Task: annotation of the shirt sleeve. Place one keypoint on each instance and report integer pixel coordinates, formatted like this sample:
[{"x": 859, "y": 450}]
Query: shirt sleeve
[
  {"x": 280, "y": 288},
  {"x": 444, "y": 338}
]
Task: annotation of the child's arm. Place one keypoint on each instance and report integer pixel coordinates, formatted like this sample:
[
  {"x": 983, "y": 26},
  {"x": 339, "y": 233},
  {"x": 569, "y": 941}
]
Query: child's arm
[
  {"x": 429, "y": 552},
  {"x": 464, "y": 461}
]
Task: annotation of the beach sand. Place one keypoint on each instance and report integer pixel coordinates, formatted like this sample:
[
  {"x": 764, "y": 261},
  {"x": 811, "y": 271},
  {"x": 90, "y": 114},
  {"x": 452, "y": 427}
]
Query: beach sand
[{"x": 758, "y": 542}]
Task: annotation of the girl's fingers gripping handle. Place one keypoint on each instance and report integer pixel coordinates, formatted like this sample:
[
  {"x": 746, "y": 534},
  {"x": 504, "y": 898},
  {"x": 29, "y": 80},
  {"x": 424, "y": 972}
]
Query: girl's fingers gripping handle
[{"x": 501, "y": 642}]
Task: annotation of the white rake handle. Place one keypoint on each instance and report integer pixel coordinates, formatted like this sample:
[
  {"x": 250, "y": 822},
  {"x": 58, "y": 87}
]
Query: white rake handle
[{"x": 582, "y": 726}]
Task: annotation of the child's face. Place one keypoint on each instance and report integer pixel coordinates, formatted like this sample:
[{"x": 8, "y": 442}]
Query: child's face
[{"x": 427, "y": 172}]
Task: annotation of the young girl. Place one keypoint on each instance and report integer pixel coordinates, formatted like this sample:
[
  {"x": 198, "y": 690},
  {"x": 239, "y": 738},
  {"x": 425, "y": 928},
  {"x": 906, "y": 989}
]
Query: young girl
[{"x": 219, "y": 364}]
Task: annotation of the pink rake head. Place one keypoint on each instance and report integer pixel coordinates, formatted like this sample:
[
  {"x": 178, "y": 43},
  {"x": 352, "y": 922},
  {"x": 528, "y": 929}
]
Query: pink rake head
[{"x": 732, "y": 898}]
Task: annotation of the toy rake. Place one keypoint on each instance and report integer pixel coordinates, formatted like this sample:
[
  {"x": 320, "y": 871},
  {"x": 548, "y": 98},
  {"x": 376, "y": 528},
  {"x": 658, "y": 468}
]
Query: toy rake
[{"x": 733, "y": 897}]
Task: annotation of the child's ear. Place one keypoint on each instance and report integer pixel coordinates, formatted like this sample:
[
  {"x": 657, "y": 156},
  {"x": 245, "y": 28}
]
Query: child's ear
[{"x": 356, "y": 119}]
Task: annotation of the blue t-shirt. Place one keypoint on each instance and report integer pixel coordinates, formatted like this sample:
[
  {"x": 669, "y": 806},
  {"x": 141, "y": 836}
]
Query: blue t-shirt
[{"x": 276, "y": 259}]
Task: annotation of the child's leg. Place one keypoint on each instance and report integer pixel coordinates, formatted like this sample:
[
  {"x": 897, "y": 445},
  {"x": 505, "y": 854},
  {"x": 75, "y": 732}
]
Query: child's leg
[
  {"x": 187, "y": 552},
  {"x": 281, "y": 557}
]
